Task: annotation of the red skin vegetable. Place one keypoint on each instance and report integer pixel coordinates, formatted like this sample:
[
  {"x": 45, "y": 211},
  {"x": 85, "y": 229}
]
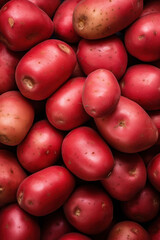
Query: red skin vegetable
[
  {"x": 41, "y": 147},
  {"x": 74, "y": 236},
  {"x": 45, "y": 191},
  {"x": 108, "y": 53},
  {"x": 20, "y": 32},
  {"x": 62, "y": 20},
  {"x": 86, "y": 154},
  {"x": 128, "y": 128},
  {"x": 48, "y": 6},
  {"x": 101, "y": 93},
  {"x": 17, "y": 224},
  {"x": 142, "y": 38},
  {"x": 141, "y": 83},
  {"x": 64, "y": 108},
  {"x": 16, "y": 117},
  {"x": 55, "y": 225},
  {"x": 89, "y": 209},
  {"x": 144, "y": 207},
  {"x": 127, "y": 178},
  {"x": 154, "y": 229},
  {"x": 153, "y": 170},
  {"x": 125, "y": 230},
  {"x": 11, "y": 175},
  {"x": 44, "y": 68},
  {"x": 8, "y": 63}
]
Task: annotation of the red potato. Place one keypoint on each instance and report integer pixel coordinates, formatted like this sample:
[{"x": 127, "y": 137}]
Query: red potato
[
  {"x": 17, "y": 224},
  {"x": 94, "y": 19},
  {"x": 108, "y": 53},
  {"x": 144, "y": 207},
  {"x": 127, "y": 178},
  {"x": 151, "y": 7},
  {"x": 16, "y": 117},
  {"x": 153, "y": 170},
  {"x": 8, "y": 63},
  {"x": 45, "y": 191},
  {"x": 44, "y": 68},
  {"x": 89, "y": 209},
  {"x": 142, "y": 38},
  {"x": 64, "y": 108},
  {"x": 154, "y": 229},
  {"x": 101, "y": 93},
  {"x": 86, "y": 154},
  {"x": 74, "y": 236},
  {"x": 41, "y": 148},
  {"x": 155, "y": 116},
  {"x": 11, "y": 175},
  {"x": 128, "y": 128},
  {"x": 141, "y": 83},
  {"x": 48, "y": 6},
  {"x": 20, "y": 32},
  {"x": 55, "y": 225},
  {"x": 125, "y": 230},
  {"x": 62, "y": 20}
]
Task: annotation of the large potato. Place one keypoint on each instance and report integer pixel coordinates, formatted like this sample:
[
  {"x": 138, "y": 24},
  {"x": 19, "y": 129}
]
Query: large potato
[{"x": 94, "y": 19}]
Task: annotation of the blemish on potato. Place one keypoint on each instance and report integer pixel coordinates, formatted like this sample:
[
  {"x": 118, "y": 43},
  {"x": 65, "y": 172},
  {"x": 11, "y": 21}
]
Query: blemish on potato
[
  {"x": 28, "y": 82},
  {"x": 77, "y": 212},
  {"x": 64, "y": 48},
  {"x": 47, "y": 152},
  {"x": 140, "y": 37},
  {"x": 103, "y": 205},
  {"x": 81, "y": 22},
  {"x": 4, "y": 8},
  {"x": 134, "y": 230},
  {"x": 11, "y": 22},
  {"x": 4, "y": 139},
  {"x": 1, "y": 189},
  {"x": 20, "y": 197},
  {"x": 30, "y": 202}
]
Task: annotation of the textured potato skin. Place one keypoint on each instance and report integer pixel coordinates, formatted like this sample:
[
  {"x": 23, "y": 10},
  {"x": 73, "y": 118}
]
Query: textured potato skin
[{"x": 94, "y": 19}]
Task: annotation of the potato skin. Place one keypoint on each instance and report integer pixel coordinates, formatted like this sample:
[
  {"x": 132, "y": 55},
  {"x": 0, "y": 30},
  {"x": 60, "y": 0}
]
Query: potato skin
[
  {"x": 44, "y": 68},
  {"x": 142, "y": 38},
  {"x": 128, "y": 128},
  {"x": 101, "y": 93},
  {"x": 21, "y": 225},
  {"x": 20, "y": 32},
  {"x": 73, "y": 236},
  {"x": 94, "y": 19},
  {"x": 45, "y": 191},
  {"x": 16, "y": 117},
  {"x": 86, "y": 154}
]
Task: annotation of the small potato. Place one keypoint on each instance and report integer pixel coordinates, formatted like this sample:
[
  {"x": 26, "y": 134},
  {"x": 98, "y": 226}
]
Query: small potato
[
  {"x": 101, "y": 93},
  {"x": 142, "y": 38},
  {"x": 94, "y": 19}
]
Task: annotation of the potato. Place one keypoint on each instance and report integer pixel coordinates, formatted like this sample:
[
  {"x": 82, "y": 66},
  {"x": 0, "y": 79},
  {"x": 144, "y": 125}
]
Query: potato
[{"x": 94, "y": 19}]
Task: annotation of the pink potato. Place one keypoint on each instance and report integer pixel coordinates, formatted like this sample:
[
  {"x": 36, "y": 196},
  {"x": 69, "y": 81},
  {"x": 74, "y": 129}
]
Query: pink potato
[
  {"x": 101, "y": 93},
  {"x": 16, "y": 224},
  {"x": 153, "y": 170},
  {"x": 8, "y": 63},
  {"x": 94, "y": 19},
  {"x": 16, "y": 117},
  {"x": 11, "y": 175},
  {"x": 20, "y": 32},
  {"x": 44, "y": 68},
  {"x": 127, "y": 178},
  {"x": 74, "y": 236},
  {"x": 45, "y": 191},
  {"x": 141, "y": 83},
  {"x": 108, "y": 53},
  {"x": 86, "y": 154},
  {"x": 64, "y": 108},
  {"x": 89, "y": 209},
  {"x": 41, "y": 148},
  {"x": 62, "y": 20},
  {"x": 143, "y": 207},
  {"x": 54, "y": 225},
  {"x": 125, "y": 230},
  {"x": 48, "y": 6},
  {"x": 142, "y": 38},
  {"x": 128, "y": 128}
]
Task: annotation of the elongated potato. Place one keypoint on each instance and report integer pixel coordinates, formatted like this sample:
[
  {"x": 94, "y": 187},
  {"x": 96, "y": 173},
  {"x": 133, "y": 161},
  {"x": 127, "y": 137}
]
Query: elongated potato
[{"x": 94, "y": 19}]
